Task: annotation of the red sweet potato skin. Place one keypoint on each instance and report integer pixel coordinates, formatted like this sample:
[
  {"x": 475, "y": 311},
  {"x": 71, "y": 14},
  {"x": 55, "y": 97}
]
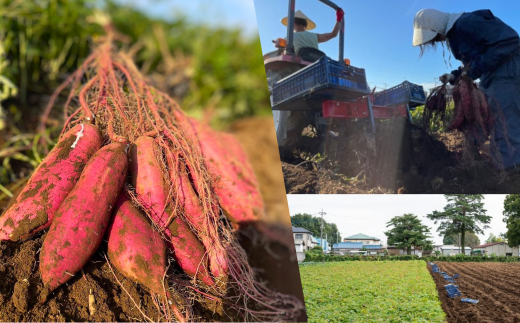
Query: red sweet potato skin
[
  {"x": 134, "y": 248},
  {"x": 188, "y": 250},
  {"x": 195, "y": 216},
  {"x": 81, "y": 221},
  {"x": 147, "y": 178},
  {"x": 151, "y": 189},
  {"x": 233, "y": 178},
  {"x": 36, "y": 205}
]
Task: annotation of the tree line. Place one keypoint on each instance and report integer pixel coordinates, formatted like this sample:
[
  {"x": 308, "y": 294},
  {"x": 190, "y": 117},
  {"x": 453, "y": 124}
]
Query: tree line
[{"x": 459, "y": 222}]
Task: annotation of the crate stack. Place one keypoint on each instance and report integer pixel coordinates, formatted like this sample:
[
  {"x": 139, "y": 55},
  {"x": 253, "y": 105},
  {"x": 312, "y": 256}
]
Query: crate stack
[
  {"x": 452, "y": 289},
  {"x": 323, "y": 79},
  {"x": 405, "y": 93}
]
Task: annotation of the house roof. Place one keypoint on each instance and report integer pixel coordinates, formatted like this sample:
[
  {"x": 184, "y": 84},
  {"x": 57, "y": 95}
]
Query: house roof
[
  {"x": 488, "y": 244},
  {"x": 299, "y": 230},
  {"x": 348, "y": 245},
  {"x": 372, "y": 246},
  {"x": 453, "y": 247},
  {"x": 314, "y": 239},
  {"x": 361, "y": 236}
]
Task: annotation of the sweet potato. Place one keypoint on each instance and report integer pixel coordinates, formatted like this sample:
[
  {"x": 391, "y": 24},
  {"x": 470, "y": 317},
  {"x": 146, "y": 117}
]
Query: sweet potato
[
  {"x": 189, "y": 252},
  {"x": 147, "y": 178},
  {"x": 233, "y": 178},
  {"x": 82, "y": 219},
  {"x": 151, "y": 188},
  {"x": 134, "y": 248},
  {"x": 466, "y": 100},
  {"x": 195, "y": 216},
  {"x": 36, "y": 205}
]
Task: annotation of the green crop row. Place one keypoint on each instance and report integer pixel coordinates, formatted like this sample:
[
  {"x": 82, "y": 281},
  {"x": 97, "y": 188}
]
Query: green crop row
[
  {"x": 380, "y": 291},
  {"x": 314, "y": 257}
]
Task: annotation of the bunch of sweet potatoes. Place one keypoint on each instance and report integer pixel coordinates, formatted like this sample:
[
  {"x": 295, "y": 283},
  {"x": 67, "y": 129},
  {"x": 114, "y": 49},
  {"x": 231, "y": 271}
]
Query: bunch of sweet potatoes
[{"x": 83, "y": 191}]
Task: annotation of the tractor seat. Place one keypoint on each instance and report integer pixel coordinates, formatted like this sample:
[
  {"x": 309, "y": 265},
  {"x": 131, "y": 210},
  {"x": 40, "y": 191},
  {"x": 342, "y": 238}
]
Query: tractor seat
[{"x": 310, "y": 54}]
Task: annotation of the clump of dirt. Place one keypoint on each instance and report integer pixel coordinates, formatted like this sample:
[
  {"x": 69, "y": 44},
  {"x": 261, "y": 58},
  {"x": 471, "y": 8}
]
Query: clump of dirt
[{"x": 409, "y": 160}]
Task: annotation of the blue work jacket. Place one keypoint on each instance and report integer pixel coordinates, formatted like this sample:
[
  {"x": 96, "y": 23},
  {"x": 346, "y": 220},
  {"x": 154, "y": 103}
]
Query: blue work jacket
[{"x": 481, "y": 41}]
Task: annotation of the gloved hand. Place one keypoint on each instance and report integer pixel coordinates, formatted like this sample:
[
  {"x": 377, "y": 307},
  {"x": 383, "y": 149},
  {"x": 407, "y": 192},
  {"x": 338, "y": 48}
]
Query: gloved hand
[
  {"x": 445, "y": 78},
  {"x": 339, "y": 14}
]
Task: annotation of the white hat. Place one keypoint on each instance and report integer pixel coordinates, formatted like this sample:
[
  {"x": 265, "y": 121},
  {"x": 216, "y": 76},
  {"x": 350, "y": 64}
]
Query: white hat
[
  {"x": 430, "y": 22},
  {"x": 298, "y": 14}
]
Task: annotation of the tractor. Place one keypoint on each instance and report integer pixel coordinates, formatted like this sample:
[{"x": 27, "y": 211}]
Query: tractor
[{"x": 308, "y": 88}]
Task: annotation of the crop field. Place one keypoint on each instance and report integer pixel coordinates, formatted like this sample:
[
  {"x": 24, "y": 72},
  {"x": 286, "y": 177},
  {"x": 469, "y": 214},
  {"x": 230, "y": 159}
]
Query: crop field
[
  {"x": 494, "y": 285},
  {"x": 370, "y": 292}
]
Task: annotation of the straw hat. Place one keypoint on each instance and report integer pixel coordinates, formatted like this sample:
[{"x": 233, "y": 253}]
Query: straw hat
[
  {"x": 430, "y": 22},
  {"x": 298, "y": 14}
]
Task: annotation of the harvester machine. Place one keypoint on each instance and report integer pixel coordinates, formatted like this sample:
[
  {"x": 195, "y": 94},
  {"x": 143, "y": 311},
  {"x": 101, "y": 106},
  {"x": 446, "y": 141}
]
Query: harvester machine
[{"x": 309, "y": 88}]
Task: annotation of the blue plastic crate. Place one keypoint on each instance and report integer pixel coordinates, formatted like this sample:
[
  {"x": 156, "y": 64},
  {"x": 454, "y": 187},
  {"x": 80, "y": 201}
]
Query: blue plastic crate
[
  {"x": 469, "y": 300},
  {"x": 406, "y": 92},
  {"x": 452, "y": 290},
  {"x": 325, "y": 79}
]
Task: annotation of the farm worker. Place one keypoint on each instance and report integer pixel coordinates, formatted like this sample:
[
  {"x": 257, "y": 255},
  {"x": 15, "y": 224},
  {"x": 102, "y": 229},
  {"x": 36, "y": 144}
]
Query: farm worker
[
  {"x": 490, "y": 50},
  {"x": 304, "y": 38}
]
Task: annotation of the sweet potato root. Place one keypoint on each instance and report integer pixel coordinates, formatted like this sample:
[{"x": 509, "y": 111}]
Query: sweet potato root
[
  {"x": 234, "y": 181},
  {"x": 36, "y": 205},
  {"x": 152, "y": 193},
  {"x": 81, "y": 221},
  {"x": 134, "y": 248},
  {"x": 188, "y": 250},
  {"x": 147, "y": 178}
]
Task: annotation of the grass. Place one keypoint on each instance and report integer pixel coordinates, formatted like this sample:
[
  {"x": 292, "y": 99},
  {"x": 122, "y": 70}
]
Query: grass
[{"x": 370, "y": 292}]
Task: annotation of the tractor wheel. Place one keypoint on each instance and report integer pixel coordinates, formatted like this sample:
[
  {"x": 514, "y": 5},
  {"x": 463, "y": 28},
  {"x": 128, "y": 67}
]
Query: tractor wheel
[{"x": 289, "y": 126}]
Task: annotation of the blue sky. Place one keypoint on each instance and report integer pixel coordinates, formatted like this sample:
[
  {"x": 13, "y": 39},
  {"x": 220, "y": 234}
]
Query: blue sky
[{"x": 378, "y": 34}]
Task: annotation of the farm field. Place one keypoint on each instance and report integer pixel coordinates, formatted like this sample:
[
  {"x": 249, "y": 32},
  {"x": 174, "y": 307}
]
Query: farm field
[
  {"x": 370, "y": 291},
  {"x": 495, "y": 285}
]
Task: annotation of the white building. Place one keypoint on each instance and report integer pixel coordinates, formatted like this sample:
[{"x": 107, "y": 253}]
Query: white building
[
  {"x": 451, "y": 250},
  {"x": 498, "y": 248}
]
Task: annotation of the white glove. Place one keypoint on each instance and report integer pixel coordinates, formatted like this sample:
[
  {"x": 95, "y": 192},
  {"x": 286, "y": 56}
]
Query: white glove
[{"x": 445, "y": 78}]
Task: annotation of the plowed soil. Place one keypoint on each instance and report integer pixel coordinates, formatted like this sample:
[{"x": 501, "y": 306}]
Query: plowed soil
[
  {"x": 495, "y": 285},
  {"x": 409, "y": 160}
]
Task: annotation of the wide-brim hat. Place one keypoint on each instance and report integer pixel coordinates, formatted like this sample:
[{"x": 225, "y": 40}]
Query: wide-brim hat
[
  {"x": 430, "y": 22},
  {"x": 298, "y": 14}
]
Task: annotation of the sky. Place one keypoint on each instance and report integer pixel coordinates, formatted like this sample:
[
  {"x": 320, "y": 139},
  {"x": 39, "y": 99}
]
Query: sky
[
  {"x": 378, "y": 34},
  {"x": 228, "y": 13},
  {"x": 368, "y": 214}
]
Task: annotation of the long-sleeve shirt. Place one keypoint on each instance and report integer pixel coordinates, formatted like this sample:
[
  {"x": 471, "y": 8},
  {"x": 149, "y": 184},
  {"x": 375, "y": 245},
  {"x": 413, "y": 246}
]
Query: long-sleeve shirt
[{"x": 481, "y": 41}]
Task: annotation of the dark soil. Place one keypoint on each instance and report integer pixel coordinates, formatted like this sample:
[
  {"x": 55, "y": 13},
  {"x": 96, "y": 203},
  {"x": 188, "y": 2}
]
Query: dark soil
[
  {"x": 409, "y": 160},
  {"x": 494, "y": 285},
  {"x": 21, "y": 285}
]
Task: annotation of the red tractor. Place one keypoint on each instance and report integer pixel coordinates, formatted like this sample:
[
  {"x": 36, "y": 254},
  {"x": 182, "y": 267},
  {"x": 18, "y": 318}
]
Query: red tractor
[{"x": 309, "y": 88}]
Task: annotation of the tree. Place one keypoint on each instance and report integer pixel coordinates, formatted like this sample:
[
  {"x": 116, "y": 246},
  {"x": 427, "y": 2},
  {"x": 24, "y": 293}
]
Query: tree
[
  {"x": 472, "y": 239},
  {"x": 313, "y": 224},
  {"x": 512, "y": 219},
  {"x": 407, "y": 232},
  {"x": 462, "y": 213}
]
